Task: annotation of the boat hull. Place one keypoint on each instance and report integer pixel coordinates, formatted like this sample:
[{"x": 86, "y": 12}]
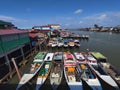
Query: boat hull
[
  {"x": 43, "y": 74},
  {"x": 28, "y": 76}
]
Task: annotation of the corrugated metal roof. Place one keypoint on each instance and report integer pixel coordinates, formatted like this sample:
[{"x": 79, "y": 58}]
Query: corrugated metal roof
[{"x": 11, "y": 31}]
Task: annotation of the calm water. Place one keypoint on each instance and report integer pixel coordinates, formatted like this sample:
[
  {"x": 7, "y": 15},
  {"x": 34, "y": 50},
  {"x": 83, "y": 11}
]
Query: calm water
[{"x": 106, "y": 43}]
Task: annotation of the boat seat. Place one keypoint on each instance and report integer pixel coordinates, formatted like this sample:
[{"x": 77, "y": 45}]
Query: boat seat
[{"x": 55, "y": 75}]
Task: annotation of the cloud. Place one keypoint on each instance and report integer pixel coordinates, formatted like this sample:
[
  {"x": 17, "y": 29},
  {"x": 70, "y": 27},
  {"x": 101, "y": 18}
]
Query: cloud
[
  {"x": 7, "y": 18},
  {"x": 11, "y": 19},
  {"x": 78, "y": 11},
  {"x": 102, "y": 17},
  {"x": 16, "y": 21}
]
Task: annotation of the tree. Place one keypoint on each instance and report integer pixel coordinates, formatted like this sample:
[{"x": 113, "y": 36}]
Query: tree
[{"x": 96, "y": 26}]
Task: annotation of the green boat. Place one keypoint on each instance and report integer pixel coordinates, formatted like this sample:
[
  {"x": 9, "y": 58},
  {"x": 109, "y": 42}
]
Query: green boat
[
  {"x": 37, "y": 63},
  {"x": 43, "y": 74},
  {"x": 40, "y": 56},
  {"x": 99, "y": 56}
]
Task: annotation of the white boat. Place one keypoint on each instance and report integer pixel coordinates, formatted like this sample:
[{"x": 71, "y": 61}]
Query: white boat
[
  {"x": 79, "y": 57},
  {"x": 60, "y": 43},
  {"x": 90, "y": 59},
  {"x": 69, "y": 59},
  {"x": 105, "y": 79},
  {"x": 55, "y": 43},
  {"x": 43, "y": 74},
  {"x": 71, "y": 43},
  {"x": 81, "y": 77},
  {"x": 57, "y": 70},
  {"x": 35, "y": 67},
  {"x": 89, "y": 76},
  {"x": 65, "y": 43},
  {"x": 77, "y": 43},
  {"x": 49, "y": 57},
  {"x": 72, "y": 78}
]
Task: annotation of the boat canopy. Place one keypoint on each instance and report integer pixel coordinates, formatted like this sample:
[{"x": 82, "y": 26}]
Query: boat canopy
[
  {"x": 58, "y": 57},
  {"x": 69, "y": 56},
  {"x": 49, "y": 57},
  {"x": 98, "y": 55},
  {"x": 40, "y": 55}
]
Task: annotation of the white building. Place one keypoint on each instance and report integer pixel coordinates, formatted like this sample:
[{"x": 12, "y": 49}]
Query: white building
[{"x": 54, "y": 26}]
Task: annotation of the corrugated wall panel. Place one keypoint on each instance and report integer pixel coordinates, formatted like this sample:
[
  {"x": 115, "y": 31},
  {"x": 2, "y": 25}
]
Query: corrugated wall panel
[
  {"x": 24, "y": 40},
  {"x": 10, "y": 44},
  {"x": 1, "y": 50}
]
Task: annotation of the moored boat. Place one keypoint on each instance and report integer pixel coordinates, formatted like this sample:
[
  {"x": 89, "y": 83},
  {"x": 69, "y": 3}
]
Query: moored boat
[
  {"x": 60, "y": 43},
  {"x": 66, "y": 43},
  {"x": 72, "y": 78},
  {"x": 77, "y": 42},
  {"x": 43, "y": 74},
  {"x": 79, "y": 57},
  {"x": 45, "y": 70},
  {"x": 49, "y": 57},
  {"x": 105, "y": 79},
  {"x": 69, "y": 59},
  {"x": 55, "y": 43},
  {"x": 89, "y": 77},
  {"x": 34, "y": 68},
  {"x": 71, "y": 43},
  {"x": 100, "y": 58},
  {"x": 90, "y": 59},
  {"x": 57, "y": 70}
]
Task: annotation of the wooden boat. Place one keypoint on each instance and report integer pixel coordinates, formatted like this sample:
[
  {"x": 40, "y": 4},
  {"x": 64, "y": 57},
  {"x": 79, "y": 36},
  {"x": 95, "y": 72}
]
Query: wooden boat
[
  {"x": 60, "y": 43},
  {"x": 49, "y": 57},
  {"x": 50, "y": 43},
  {"x": 35, "y": 67},
  {"x": 100, "y": 58},
  {"x": 89, "y": 76},
  {"x": 71, "y": 43},
  {"x": 79, "y": 57},
  {"x": 66, "y": 43},
  {"x": 55, "y": 43},
  {"x": 69, "y": 59},
  {"x": 81, "y": 77},
  {"x": 77, "y": 43},
  {"x": 105, "y": 79},
  {"x": 43, "y": 74},
  {"x": 57, "y": 70},
  {"x": 90, "y": 59},
  {"x": 72, "y": 78}
]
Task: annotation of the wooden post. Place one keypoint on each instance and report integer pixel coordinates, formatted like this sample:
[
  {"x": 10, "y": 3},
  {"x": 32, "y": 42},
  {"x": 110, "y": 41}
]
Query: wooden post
[
  {"x": 16, "y": 68},
  {"x": 21, "y": 49},
  {"x": 7, "y": 60}
]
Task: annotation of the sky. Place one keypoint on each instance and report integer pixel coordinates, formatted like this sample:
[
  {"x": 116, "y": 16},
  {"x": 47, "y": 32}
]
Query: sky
[{"x": 67, "y": 13}]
